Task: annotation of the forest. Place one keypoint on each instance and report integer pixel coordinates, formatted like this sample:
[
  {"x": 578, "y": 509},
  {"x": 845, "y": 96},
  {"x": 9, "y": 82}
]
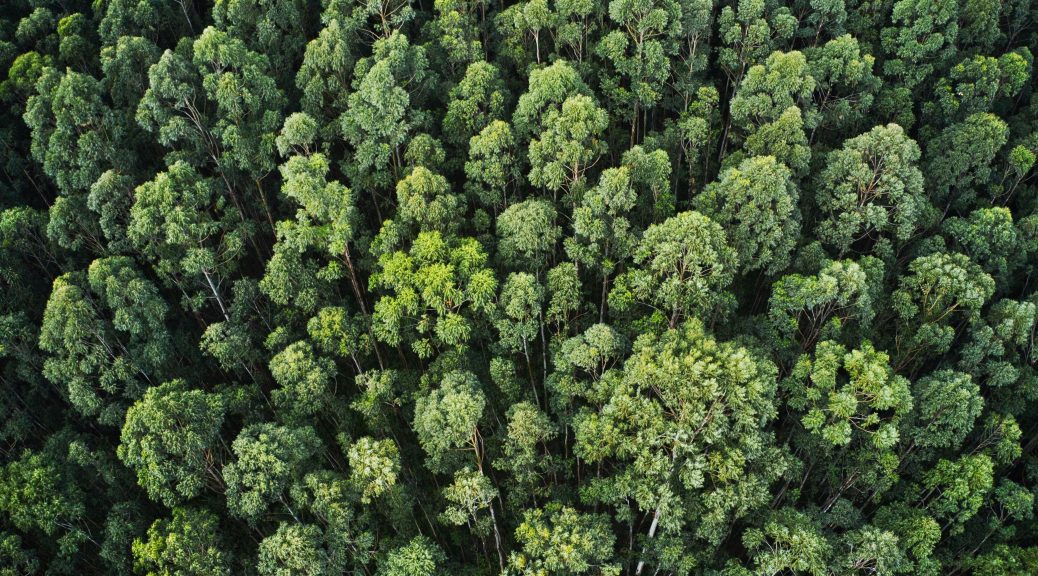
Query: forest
[{"x": 518, "y": 287}]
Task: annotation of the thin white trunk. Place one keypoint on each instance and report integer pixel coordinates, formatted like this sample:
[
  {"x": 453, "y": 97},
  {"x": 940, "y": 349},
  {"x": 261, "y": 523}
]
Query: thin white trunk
[
  {"x": 652, "y": 533},
  {"x": 219, "y": 301}
]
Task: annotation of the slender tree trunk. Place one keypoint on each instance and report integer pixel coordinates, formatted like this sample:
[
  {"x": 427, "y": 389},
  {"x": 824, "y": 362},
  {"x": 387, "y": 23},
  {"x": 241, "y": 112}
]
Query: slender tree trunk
[
  {"x": 216, "y": 294},
  {"x": 652, "y": 533},
  {"x": 497, "y": 538}
]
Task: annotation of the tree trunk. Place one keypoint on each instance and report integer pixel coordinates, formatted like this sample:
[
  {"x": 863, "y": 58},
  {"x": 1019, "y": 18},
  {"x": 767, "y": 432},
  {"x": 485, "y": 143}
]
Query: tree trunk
[{"x": 652, "y": 533}]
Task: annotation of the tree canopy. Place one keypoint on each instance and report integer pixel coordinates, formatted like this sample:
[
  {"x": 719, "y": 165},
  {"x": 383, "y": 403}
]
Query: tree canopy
[{"x": 518, "y": 288}]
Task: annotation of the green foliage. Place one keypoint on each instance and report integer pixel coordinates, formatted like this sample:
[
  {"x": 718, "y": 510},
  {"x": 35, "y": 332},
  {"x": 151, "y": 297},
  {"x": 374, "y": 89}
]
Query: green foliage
[
  {"x": 695, "y": 457},
  {"x": 475, "y": 102},
  {"x": 378, "y": 118},
  {"x": 374, "y": 466},
  {"x": 805, "y": 309},
  {"x": 267, "y": 459},
  {"x": 849, "y": 394},
  {"x": 789, "y": 540},
  {"x": 527, "y": 234},
  {"x": 937, "y": 290},
  {"x": 561, "y": 540},
  {"x": 447, "y": 419},
  {"x": 545, "y": 287},
  {"x": 845, "y": 85},
  {"x": 187, "y": 543},
  {"x": 871, "y": 192},
  {"x": 685, "y": 263},
  {"x": 419, "y": 557},
  {"x": 171, "y": 439},
  {"x": 568, "y": 146},
  {"x": 294, "y": 550},
  {"x": 183, "y": 225},
  {"x": 436, "y": 293},
  {"x": 756, "y": 204},
  {"x": 304, "y": 379},
  {"x": 948, "y": 405},
  {"x": 492, "y": 165},
  {"x": 105, "y": 337},
  {"x": 602, "y": 230},
  {"x": 772, "y": 106}
]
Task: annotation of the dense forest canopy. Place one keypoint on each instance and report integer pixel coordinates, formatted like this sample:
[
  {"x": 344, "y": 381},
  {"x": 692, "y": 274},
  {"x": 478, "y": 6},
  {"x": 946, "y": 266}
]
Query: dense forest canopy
[{"x": 527, "y": 287}]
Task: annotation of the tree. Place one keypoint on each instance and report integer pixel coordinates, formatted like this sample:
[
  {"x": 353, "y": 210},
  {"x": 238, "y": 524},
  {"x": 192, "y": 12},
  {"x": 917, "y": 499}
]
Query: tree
[
  {"x": 276, "y": 28},
  {"x": 522, "y": 21},
  {"x": 637, "y": 52},
  {"x": 559, "y": 539},
  {"x": 294, "y": 550},
  {"x": 569, "y": 145},
  {"x": 377, "y": 19},
  {"x": 921, "y": 39},
  {"x": 959, "y": 158},
  {"x": 756, "y": 204},
  {"x": 110, "y": 197},
  {"x": 826, "y": 305},
  {"x": 379, "y": 114},
  {"x": 519, "y": 320},
  {"x": 989, "y": 237},
  {"x": 548, "y": 88},
  {"x": 529, "y": 431},
  {"x": 851, "y": 404},
  {"x": 215, "y": 98},
  {"x": 424, "y": 201},
  {"x": 789, "y": 540},
  {"x": 477, "y": 101},
  {"x": 948, "y": 403},
  {"x": 870, "y": 548},
  {"x": 374, "y": 467},
  {"x": 937, "y": 289},
  {"x": 187, "y": 543},
  {"x": 326, "y": 223},
  {"x": 847, "y": 394},
  {"x": 419, "y": 557},
  {"x": 845, "y": 86},
  {"x": 74, "y": 134},
  {"x": 467, "y": 497},
  {"x": 871, "y": 192},
  {"x": 304, "y": 381},
  {"x": 38, "y": 495},
  {"x": 650, "y": 172},
  {"x": 17, "y": 559},
  {"x": 748, "y": 33},
  {"x": 602, "y": 231},
  {"x": 953, "y": 491},
  {"x": 458, "y": 35},
  {"x": 346, "y": 540},
  {"x": 685, "y": 264},
  {"x": 268, "y": 458},
  {"x": 153, "y": 20},
  {"x": 182, "y": 224},
  {"x": 170, "y": 439},
  {"x": 683, "y": 453},
  {"x": 527, "y": 235},
  {"x": 974, "y": 85},
  {"x": 447, "y": 419},
  {"x": 443, "y": 282},
  {"x": 75, "y": 137},
  {"x": 105, "y": 336},
  {"x": 771, "y": 108},
  {"x": 326, "y": 71},
  {"x": 492, "y": 168}
]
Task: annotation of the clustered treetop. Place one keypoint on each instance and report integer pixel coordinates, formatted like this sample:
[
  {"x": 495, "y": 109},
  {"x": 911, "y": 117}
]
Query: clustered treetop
[{"x": 528, "y": 288}]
